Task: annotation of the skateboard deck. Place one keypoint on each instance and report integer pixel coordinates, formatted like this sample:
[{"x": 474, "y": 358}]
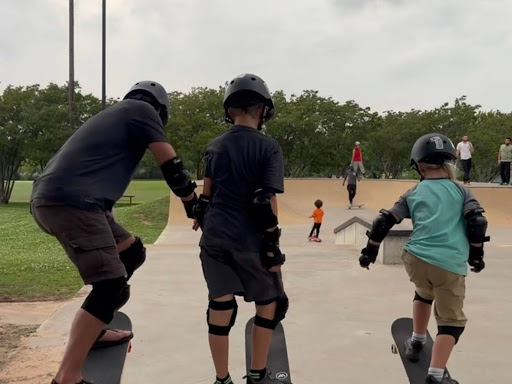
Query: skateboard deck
[
  {"x": 105, "y": 365},
  {"x": 277, "y": 362},
  {"x": 401, "y": 329},
  {"x": 355, "y": 206}
]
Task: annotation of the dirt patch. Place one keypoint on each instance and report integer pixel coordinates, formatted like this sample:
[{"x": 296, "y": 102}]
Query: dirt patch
[
  {"x": 11, "y": 336},
  {"x": 24, "y": 299},
  {"x": 18, "y": 321},
  {"x": 142, "y": 218}
]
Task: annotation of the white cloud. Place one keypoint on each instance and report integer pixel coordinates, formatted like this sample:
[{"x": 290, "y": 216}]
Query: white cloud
[{"x": 387, "y": 54}]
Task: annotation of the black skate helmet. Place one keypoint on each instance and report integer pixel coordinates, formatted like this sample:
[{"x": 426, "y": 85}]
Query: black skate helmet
[
  {"x": 433, "y": 148},
  {"x": 157, "y": 93},
  {"x": 245, "y": 91}
]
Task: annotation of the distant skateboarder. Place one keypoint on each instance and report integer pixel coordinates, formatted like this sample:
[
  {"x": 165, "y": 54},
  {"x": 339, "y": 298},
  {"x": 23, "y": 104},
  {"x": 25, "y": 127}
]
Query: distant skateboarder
[
  {"x": 351, "y": 178},
  {"x": 237, "y": 212},
  {"x": 317, "y": 217},
  {"x": 448, "y": 226},
  {"x": 72, "y": 200},
  {"x": 357, "y": 158}
]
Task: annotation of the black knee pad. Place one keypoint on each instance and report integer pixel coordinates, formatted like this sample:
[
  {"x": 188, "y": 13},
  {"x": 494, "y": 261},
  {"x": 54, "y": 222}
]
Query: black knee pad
[
  {"x": 221, "y": 330},
  {"x": 419, "y": 298},
  {"x": 452, "y": 331},
  {"x": 282, "y": 304},
  {"x": 133, "y": 257},
  {"x": 106, "y": 297}
]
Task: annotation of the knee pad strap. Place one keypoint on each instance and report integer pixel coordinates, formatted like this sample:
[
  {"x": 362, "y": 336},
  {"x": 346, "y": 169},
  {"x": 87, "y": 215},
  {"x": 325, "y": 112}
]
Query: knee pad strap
[
  {"x": 106, "y": 297},
  {"x": 419, "y": 298},
  {"x": 265, "y": 323},
  {"x": 452, "y": 331},
  {"x": 221, "y": 330}
]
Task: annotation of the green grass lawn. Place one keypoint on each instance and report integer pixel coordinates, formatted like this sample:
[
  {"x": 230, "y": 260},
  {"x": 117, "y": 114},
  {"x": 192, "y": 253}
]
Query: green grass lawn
[
  {"x": 143, "y": 190},
  {"x": 33, "y": 265}
]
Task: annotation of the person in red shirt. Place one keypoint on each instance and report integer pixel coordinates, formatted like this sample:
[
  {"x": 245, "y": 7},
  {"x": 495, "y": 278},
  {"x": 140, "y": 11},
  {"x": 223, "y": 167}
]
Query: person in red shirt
[
  {"x": 357, "y": 158},
  {"x": 317, "y": 216}
]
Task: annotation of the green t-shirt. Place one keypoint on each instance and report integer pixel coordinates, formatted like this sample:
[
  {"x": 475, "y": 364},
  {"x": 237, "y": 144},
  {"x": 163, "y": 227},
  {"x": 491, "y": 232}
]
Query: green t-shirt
[
  {"x": 436, "y": 208},
  {"x": 506, "y": 152}
]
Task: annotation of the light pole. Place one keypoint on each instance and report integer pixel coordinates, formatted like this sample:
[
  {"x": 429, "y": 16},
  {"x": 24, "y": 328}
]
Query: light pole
[
  {"x": 71, "y": 82},
  {"x": 103, "y": 54}
]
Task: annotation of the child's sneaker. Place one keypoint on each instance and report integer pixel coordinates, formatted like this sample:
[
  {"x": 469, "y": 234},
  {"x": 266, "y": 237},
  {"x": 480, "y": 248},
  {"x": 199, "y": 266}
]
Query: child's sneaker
[
  {"x": 413, "y": 349},
  {"x": 446, "y": 380},
  {"x": 266, "y": 380}
]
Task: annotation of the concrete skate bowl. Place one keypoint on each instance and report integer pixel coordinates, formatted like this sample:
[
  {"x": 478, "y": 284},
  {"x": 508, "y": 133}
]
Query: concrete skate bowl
[{"x": 296, "y": 204}]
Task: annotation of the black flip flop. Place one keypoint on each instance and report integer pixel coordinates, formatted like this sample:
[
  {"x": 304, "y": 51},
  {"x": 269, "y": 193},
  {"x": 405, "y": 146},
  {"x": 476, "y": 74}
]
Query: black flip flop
[{"x": 105, "y": 344}]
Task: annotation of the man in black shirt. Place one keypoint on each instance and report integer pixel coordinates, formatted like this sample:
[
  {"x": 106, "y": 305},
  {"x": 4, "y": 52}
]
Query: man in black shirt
[
  {"x": 72, "y": 200},
  {"x": 238, "y": 215}
]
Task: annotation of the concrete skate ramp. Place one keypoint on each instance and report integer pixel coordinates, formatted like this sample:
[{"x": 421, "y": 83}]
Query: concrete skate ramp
[
  {"x": 296, "y": 204},
  {"x": 338, "y": 325}
]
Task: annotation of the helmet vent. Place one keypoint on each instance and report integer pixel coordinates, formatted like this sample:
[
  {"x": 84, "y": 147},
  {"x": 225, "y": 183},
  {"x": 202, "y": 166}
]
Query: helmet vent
[
  {"x": 153, "y": 84},
  {"x": 232, "y": 81},
  {"x": 253, "y": 78}
]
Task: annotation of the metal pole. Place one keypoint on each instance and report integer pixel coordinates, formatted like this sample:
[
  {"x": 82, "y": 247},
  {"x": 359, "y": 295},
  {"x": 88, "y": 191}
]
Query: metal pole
[
  {"x": 103, "y": 66},
  {"x": 71, "y": 83}
]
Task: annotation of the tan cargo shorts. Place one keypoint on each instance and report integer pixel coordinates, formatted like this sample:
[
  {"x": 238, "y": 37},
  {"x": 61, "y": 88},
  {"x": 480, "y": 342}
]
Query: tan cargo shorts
[
  {"x": 89, "y": 238},
  {"x": 446, "y": 288}
]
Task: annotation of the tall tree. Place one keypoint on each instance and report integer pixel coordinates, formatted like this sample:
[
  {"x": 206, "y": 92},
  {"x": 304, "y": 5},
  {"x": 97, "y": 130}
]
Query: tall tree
[
  {"x": 196, "y": 118},
  {"x": 16, "y": 105}
]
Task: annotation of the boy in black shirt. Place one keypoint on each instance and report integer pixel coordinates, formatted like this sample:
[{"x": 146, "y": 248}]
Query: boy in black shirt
[{"x": 238, "y": 214}]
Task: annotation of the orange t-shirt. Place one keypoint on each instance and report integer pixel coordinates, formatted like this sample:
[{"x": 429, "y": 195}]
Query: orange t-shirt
[{"x": 318, "y": 214}]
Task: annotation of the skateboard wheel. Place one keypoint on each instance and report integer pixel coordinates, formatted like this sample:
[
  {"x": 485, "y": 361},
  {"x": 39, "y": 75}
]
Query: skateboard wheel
[{"x": 394, "y": 349}]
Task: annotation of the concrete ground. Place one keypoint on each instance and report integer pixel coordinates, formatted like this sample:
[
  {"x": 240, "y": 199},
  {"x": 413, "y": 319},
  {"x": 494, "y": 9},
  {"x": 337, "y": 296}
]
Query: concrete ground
[{"x": 338, "y": 325}]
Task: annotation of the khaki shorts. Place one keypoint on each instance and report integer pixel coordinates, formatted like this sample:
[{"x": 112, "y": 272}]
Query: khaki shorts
[
  {"x": 446, "y": 288},
  {"x": 89, "y": 238}
]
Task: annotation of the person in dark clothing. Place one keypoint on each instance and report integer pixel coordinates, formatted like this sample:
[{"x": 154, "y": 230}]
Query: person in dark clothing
[
  {"x": 72, "y": 200},
  {"x": 237, "y": 212},
  {"x": 352, "y": 177}
]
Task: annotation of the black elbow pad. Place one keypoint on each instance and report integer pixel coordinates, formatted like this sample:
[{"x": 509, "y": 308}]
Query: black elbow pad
[
  {"x": 177, "y": 177},
  {"x": 381, "y": 226},
  {"x": 476, "y": 225}
]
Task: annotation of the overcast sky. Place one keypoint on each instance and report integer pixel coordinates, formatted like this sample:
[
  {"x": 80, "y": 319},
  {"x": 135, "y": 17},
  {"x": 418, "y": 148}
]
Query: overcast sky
[{"x": 386, "y": 54}]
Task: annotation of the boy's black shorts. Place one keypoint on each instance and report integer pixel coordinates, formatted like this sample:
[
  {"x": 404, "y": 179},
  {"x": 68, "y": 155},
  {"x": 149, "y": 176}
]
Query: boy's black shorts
[{"x": 238, "y": 272}]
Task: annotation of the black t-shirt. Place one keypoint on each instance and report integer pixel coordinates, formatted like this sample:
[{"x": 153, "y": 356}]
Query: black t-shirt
[
  {"x": 239, "y": 162},
  {"x": 94, "y": 167}
]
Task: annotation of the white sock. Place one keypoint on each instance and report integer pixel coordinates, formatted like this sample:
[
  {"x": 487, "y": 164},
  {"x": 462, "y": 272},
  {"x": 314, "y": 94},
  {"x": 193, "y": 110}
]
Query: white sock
[
  {"x": 438, "y": 373},
  {"x": 419, "y": 337}
]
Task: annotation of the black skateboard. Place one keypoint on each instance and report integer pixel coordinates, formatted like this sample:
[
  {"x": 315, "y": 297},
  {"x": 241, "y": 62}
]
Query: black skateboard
[
  {"x": 416, "y": 371},
  {"x": 105, "y": 365},
  {"x": 277, "y": 362},
  {"x": 355, "y": 206}
]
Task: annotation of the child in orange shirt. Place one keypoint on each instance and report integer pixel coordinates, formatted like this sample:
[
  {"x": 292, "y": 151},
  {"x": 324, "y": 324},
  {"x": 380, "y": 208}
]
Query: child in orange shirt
[{"x": 317, "y": 215}]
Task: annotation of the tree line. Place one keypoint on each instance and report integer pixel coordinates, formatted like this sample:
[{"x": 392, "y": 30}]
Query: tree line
[{"x": 316, "y": 133}]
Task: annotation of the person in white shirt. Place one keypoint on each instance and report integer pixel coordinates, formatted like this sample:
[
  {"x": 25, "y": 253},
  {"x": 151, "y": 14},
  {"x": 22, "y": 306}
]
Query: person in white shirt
[{"x": 464, "y": 152}]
